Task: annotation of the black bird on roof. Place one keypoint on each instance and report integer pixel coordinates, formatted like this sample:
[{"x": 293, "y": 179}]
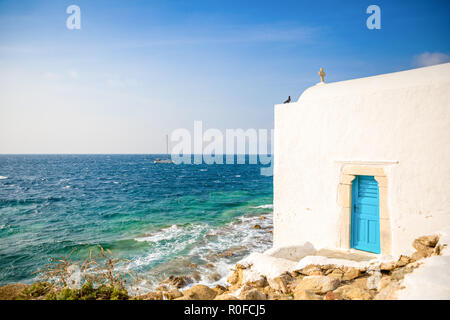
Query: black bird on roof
[{"x": 288, "y": 100}]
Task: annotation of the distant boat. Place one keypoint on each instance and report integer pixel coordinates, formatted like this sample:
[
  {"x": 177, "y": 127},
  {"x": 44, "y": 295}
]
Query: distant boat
[{"x": 167, "y": 160}]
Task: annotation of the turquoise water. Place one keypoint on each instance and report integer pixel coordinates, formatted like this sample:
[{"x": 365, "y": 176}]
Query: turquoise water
[{"x": 162, "y": 217}]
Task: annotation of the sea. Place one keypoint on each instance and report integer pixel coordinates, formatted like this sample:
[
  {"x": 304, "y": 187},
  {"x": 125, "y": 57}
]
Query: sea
[{"x": 195, "y": 220}]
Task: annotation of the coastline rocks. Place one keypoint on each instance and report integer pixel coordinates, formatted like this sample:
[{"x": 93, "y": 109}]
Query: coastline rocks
[
  {"x": 350, "y": 292},
  {"x": 350, "y": 273},
  {"x": 156, "y": 295},
  {"x": 373, "y": 282},
  {"x": 281, "y": 283},
  {"x": 252, "y": 294},
  {"x": 425, "y": 245},
  {"x": 400, "y": 273},
  {"x": 311, "y": 270},
  {"x": 237, "y": 275},
  {"x": 199, "y": 292},
  {"x": 331, "y": 296},
  {"x": 356, "y": 290},
  {"x": 306, "y": 295},
  {"x": 172, "y": 294},
  {"x": 403, "y": 261},
  {"x": 384, "y": 282},
  {"x": 258, "y": 282},
  {"x": 256, "y": 226},
  {"x": 219, "y": 289},
  {"x": 342, "y": 273},
  {"x": 389, "y": 292},
  {"x": 317, "y": 284},
  {"x": 225, "y": 296},
  {"x": 176, "y": 281}
]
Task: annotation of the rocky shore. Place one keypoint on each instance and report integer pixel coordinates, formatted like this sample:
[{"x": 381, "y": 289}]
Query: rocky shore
[
  {"x": 328, "y": 280},
  {"x": 313, "y": 282}
]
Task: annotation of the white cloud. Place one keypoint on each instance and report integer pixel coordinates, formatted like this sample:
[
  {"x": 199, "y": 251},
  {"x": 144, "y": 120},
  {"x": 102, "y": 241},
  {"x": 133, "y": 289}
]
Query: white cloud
[{"x": 429, "y": 59}]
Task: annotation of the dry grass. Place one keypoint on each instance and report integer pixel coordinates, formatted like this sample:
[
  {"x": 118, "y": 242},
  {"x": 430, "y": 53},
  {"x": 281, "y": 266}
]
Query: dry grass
[{"x": 100, "y": 271}]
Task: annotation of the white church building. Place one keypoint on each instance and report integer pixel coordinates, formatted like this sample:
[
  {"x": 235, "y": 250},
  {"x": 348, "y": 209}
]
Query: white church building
[{"x": 364, "y": 164}]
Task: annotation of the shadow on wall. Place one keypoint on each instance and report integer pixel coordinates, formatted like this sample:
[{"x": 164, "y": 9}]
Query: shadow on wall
[{"x": 293, "y": 253}]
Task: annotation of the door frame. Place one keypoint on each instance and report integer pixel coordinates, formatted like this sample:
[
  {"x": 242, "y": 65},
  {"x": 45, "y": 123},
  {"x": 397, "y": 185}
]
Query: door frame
[{"x": 348, "y": 174}]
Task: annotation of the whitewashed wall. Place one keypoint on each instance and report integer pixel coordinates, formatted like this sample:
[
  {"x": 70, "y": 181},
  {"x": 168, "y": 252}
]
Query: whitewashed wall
[{"x": 400, "y": 117}]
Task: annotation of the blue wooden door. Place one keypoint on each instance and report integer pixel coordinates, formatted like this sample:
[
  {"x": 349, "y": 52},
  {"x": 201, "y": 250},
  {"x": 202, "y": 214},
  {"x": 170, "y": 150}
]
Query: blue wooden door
[{"x": 365, "y": 223}]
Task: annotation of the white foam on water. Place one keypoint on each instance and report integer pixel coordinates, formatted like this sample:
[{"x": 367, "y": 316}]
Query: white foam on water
[
  {"x": 220, "y": 246},
  {"x": 264, "y": 206}
]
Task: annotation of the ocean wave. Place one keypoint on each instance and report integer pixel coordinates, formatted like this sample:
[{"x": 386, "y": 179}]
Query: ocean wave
[
  {"x": 12, "y": 202},
  {"x": 213, "y": 250},
  {"x": 169, "y": 233},
  {"x": 264, "y": 206}
]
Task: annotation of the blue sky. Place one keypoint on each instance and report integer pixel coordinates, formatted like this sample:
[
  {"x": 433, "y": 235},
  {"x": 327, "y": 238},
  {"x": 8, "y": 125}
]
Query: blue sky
[{"x": 139, "y": 69}]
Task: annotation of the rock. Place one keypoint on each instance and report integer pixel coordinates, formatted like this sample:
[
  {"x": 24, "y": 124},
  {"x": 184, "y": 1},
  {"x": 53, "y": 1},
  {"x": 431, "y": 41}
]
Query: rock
[
  {"x": 219, "y": 289},
  {"x": 373, "y": 281},
  {"x": 294, "y": 274},
  {"x": 156, "y": 295},
  {"x": 270, "y": 293},
  {"x": 350, "y": 273},
  {"x": 252, "y": 294},
  {"x": 317, "y": 284},
  {"x": 361, "y": 283},
  {"x": 429, "y": 241},
  {"x": 310, "y": 270},
  {"x": 400, "y": 273},
  {"x": 214, "y": 277},
  {"x": 260, "y": 282},
  {"x": 262, "y": 218},
  {"x": 200, "y": 292},
  {"x": 416, "y": 256},
  {"x": 235, "y": 277},
  {"x": 389, "y": 292},
  {"x": 384, "y": 282},
  {"x": 196, "y": 276},
  {"x": 330, "y": 295},
  {"x": 172, "y": 294},
  {"x": 306, "y": 295},
  {"x": 387, "y": 266},
  {"x": 162, "y": 287},
  {"x": 425, "y": 245},
  {"x": 177, "y": 281},
  {"x": 225, "y": 297},
  {"x": 352, "y": 292},
  {"x": 183, "y": 298},
  {"x": 403, "y": 261},
  {"x": 437, "y": 250},
  {"x": 336, "y": 273},
  {"x": 12, "y": 291},
  {"x": 281, "y": 283},
  {"x": 256, "y": 226}
]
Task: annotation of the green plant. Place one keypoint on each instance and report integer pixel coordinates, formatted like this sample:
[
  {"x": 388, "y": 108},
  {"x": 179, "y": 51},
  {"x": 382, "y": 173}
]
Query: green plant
[{"x": 98, "y": 277}]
